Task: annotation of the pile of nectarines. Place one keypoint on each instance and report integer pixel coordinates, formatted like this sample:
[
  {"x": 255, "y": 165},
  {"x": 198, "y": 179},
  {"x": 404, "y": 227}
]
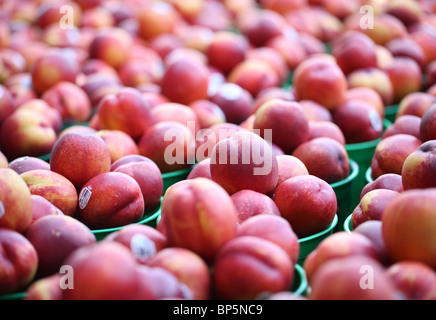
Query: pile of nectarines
[{"x": 231, "y": 121}]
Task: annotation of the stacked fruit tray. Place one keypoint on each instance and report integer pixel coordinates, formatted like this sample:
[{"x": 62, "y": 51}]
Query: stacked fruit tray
[{"x": 217, "y": 149}]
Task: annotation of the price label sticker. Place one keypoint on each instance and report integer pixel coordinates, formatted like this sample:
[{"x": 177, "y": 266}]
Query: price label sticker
[
  {"x": 142, "y": 247},
  {"x": 84, "y": 197},
  {"x": 2, "y": 209}
]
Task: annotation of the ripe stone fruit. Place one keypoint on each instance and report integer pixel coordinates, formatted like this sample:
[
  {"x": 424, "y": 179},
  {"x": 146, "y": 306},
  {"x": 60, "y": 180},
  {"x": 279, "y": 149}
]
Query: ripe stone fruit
[
  {"x": 53, "y": 116},
  {"x": 354, "y": 50},
  {"x": 255, "y": 264},
  {"x": 415, "y": 103},
  {"x": 287, "y": 121},
  {"x": 249, "y": 203},
  {"x": 290, "y": 166},
  {"x": 157, "y": 283},
  {"x": 142, "y": 240},
  {"x": 226, "y": 50},
  {"x": 18, "y": 261},
  {"x": 7, "y": 103},
  {"x": 54, "y": 238},
  {"x": 338, "y": 245},
  {"x": 409, "y": 226},
  {"x": 119, "y": 143},
  {"x": 415, "y": 280},
  {"x": 307, "y": 202},
  {"x": 112, "y": 45},
  {"x": 199, "y": 215},
  {"x": 26, "y": 133},
  {"x": 244, "y": 161},
  {"x": 46, "y": 288},
  {"x": 148, "y": 176},
  {"x": 110, "y": 199},
  {"x": 52, "y": 67},
  {"x": 324, "y": 158},
  {"x": 54, "y": 187},
  {"x": 169, "y": 144},
  {"x": 407, "y": 124},
  {"x": 372, "y": 206},
  {"x": 390, "y": 181},
  {"x": 125, "y": 110},
  {"x": 27, "y": 163},
  {"x": 359, "y": 121},
  {"x": 372, "y": 229},
  {"x": 15, "y": 201},
  {"x": 97, "y": 273},
  {"x": 185, "y": 81},
  {"x": 235, "y": 101},
  {"x": 41, "y": 207},
  {"x": 419, "y": 168},
  {"x": 189, "y": 268},
  {"x": 70, "y": 100},
  {"x": 391, "y": 153},
  {"x": 342, "y": 279},
  {"x": 273, "y": 228},
  {"x": 427, "y": 126},
  {"x": 80, "y": 157},
  {"x": 328, "y": 129},
  {"x": 321, "y": 80}
]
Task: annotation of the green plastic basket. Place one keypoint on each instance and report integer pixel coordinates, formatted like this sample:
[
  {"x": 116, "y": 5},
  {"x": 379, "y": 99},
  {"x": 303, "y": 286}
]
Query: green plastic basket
[
  {"x": 45, "y": 157},
  {"x": 391, "y": 112},
  {"x": 344, "y": 192},
  {"x": 300, "y": 284},
  {"x": 149, "y": 219},
  {"x": 308, "y": 244},
  {"x": 170, "y": 178},
  {"x": 13, "y": 296},
  {"x": 327, "y": 47},
  {"x": 347, "y": 224},
  {"x": 368, "y": 175},
  {"x": 68, "y": 124},
  {"x": 363, "y": 153},
  {"x": 287, "y": 84}
]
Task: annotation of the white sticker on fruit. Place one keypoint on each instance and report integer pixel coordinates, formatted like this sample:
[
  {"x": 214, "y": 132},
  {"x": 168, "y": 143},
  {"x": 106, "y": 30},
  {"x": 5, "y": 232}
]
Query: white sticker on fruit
[
  {"x": 84, "y": 197},
  {"x": 20, "y": 159},
  {"x": 375, "y": 120},
  {"x": 142, "y": 247},
  {"x": 2, "y": 210}
]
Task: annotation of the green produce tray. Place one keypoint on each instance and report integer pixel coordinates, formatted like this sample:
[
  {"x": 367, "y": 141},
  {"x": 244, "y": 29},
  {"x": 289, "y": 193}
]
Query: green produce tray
[
  {"x": 13, "y": 296},
  {"x": 347, "y": 224},
  {"x": 363, "y": 153},
  {"x": 170, "y": 178},
  {"x": 300, "y": 284},
  {"x": 149, "y": 219},
  {"x": 308, "y": 244},
  {"x": 68, "y": 124},
  {"x": 344, "y": 192},
  {"x": 368, "y": 175},
  {"x": 391, "y": 112}
]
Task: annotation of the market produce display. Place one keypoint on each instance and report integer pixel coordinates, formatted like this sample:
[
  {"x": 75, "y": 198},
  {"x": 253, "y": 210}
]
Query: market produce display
[{"x": 218, "y": 150}]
